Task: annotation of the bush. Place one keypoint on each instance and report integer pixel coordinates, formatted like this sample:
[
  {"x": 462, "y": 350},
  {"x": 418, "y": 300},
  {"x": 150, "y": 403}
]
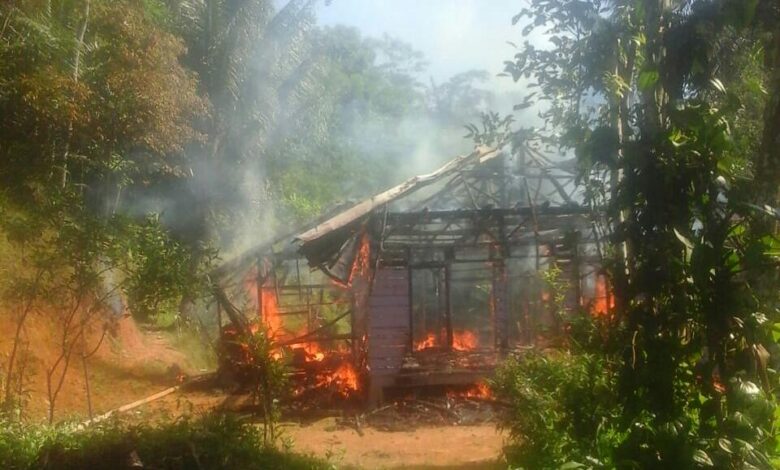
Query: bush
[
  {"x": 211, "y": 442},
  {"x": 566, "y": 412},
  {"x": 563, "y": 412}
]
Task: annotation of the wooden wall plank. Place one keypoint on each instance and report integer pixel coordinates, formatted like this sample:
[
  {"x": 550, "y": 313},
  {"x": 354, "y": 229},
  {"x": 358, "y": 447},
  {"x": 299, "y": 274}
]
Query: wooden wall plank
[
  {"x": 400, "y": 303},
  {"x": 399, "y": 290},
  {"x": 392, "y": 334},
  {"x": 386, "y": 318},
  {"x": 387, "y": 351},
  {"x": 385, "y": 364},
  {"x": 388, "y": 333},
  {"x": 385, "y": 275}
]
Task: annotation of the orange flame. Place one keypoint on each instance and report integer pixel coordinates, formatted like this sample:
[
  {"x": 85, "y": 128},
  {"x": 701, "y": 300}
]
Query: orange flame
[
  {"x": 602, "y": 300},
  {"x": 464, "y": 340},
  {"x": 269, "y": 304},
  {"x": 344, "y": 378},
  {"x": 478, "y": 390},
  {"x": 347, "y": 375},
  {"x": 360, "y": 264},
  {"x": 312, "y": 350},
  {"x": 429, "y": 342},
  {"x": 362, "y": 259},
  {"x": 270, "y": 310},
  {"x": 461, "y": 341}
]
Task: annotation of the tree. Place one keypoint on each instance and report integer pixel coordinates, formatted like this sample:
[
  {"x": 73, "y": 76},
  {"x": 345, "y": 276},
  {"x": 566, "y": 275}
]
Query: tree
[
  {"x": 93, "y": 101},
  {"x": 100, "y": 95},
  {"x": 457, "y": 100},
  {"x": 640, "y": 91},
  {"x": 257, "y": 70},
  {"x": 371, "y": 94},
  {"x": 301, "y": 98}
]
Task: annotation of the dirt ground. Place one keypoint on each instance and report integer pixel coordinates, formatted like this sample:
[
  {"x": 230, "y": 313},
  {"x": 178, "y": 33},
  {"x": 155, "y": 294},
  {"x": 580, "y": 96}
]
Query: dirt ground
[
  {"x": 427, "y": 447},
  {"x": 457, "y": 447},
  {"x": 129, "y": 364},
  {"x": 132, "y": 364}
]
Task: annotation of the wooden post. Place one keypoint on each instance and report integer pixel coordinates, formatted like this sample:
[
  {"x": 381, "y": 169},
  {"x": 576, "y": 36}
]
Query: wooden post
[
  {"x": 577, "y": 268},
  {"x": 499, "y": 308},
  {"x": 449, "y": 255},
  {"x": 219, "y": 318},
  {"x": 410, "y": 297},
  {"x": 535, "y": 222},
  {"x": 535, "y": 227},
  {"x": 259, "y": 289}
]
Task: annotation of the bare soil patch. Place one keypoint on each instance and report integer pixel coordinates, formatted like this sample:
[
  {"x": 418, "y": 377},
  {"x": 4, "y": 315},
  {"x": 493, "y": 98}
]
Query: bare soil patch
[
  {"x": 464, "y": 447},
  {"x": 413, "y": 443},
  {"x": 130, "y": 364}
]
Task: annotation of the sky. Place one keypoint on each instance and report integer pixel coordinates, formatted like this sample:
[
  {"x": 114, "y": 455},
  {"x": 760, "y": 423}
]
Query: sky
[{"x": 454, "y": 35}]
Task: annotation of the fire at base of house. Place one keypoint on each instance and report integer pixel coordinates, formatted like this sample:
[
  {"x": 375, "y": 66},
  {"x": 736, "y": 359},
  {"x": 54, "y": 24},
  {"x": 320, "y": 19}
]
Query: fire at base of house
[{"x": 426, "y": 284}]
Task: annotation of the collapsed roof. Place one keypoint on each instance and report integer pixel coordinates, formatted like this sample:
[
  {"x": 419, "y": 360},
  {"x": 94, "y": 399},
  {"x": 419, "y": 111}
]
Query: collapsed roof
[{"x": 489, "y": 178}]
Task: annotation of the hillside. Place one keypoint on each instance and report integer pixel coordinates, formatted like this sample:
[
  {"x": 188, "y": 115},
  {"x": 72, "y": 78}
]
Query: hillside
[{"x": 129, "y": 364}]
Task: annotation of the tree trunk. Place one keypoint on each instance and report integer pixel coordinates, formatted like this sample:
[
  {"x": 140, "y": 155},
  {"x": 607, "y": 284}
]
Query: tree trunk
[
  {"x": 768, "y": 165},
  {"x": 76, "y": 74},
  {"x": 17, "y": 340}
]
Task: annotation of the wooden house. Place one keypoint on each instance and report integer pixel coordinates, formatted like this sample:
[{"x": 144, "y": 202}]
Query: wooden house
[{"x": 433, "y": 281}]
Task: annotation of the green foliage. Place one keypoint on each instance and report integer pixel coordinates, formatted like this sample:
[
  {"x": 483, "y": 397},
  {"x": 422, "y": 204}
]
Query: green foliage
[
  {"x": 161, "y": 271},
  {"x": 557, "y": 287},
  {"x": 115, "y": 90},
  {"x": 73, "y": 267},
  {"x": 210, "y": 442},
  {"x": 76, "y": 253},
  {"x": 95, "y": 102},
  {"x": 268, "y": 378},
  {"x": 662, "y": 107},
  {"x": 368, "y": 92},
  {"x": 494, "y": 131},
  {"x": 563, "y": 409}
]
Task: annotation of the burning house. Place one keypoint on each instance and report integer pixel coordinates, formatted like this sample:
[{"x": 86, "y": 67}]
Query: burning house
[{"x": 429, "y": 283}]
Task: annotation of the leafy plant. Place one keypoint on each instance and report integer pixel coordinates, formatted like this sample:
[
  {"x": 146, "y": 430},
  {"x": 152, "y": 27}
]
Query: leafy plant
[
  {"x": 160, "y": 271},
  {"x": 268, "y": 379},
  {"x": 641, "y": 91},
  {"x": 563, "y": 410},
  {"x": 556, "y": 287},
  {"x": 208, "y": 442}
]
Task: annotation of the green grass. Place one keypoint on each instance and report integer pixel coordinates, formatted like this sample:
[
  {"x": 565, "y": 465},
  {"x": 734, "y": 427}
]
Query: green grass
[
  {"x": 186, "y": 339},
  {"x": 200, "y": 355},
  {"x": 209, "y": 442}
]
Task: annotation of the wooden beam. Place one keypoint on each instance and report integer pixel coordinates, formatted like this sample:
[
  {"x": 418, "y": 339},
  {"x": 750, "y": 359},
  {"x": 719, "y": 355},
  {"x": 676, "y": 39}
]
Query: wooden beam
[{"x": 416, "y": 217}]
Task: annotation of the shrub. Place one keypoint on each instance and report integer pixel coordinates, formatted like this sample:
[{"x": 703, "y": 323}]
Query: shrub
[
  {"x": 563, "y": 409},
  {"x": 211, "y": 442},
  {"x": 566, "y": 412}
]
